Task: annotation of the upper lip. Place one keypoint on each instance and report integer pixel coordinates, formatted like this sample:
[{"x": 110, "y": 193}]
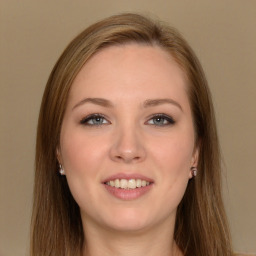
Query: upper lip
[{"x": 127, "y": 176}]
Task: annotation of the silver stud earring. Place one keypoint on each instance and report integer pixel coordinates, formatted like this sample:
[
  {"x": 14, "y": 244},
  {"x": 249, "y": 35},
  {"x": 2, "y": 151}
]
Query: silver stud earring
[
  {"x": 194, "y": 171},
  {"x": 61, "y": 170}
]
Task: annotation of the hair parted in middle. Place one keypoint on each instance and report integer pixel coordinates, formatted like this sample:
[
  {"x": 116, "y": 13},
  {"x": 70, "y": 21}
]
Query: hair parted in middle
[{"x": 201, "y": 226}]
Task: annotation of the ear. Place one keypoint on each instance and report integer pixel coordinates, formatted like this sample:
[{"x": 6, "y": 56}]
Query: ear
[
  {"x": 58, "y": 155},
  {"x": 194, "y": 160}
]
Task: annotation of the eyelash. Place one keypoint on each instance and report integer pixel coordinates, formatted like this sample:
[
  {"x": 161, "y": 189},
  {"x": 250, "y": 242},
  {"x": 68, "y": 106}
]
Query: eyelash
[
  {"x": 162, "y": 117},
  {"x": 85, "y": 121}
]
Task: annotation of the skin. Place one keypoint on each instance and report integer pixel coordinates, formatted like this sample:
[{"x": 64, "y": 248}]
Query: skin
[{"x": 128, "y": 139}]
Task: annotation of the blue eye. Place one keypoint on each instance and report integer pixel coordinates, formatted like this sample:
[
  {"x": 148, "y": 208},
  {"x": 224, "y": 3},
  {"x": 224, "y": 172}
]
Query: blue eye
[
  {"x": 95, "y": 119},
  {"x": 161, "y": 120}
]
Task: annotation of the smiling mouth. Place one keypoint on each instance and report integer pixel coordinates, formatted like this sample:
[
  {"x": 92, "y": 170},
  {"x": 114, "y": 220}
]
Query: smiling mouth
[{"x": 128, "y": 183}]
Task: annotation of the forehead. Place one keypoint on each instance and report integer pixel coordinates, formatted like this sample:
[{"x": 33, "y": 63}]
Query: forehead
[
  {"x": 129, "y": 68},
  {"x": 137, "y": 53}
]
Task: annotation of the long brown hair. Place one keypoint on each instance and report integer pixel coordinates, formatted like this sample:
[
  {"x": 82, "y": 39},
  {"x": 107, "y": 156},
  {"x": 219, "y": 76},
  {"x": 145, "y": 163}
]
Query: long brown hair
[{"x": 201, "y": 226}]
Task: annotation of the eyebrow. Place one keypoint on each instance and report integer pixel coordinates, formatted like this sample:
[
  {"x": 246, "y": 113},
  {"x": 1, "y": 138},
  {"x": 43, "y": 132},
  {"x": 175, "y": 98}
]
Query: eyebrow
[
  {"x": 156, "y": 102},
  {"x": 148, "y": 103},
  {"x": 98, "y": 101}
]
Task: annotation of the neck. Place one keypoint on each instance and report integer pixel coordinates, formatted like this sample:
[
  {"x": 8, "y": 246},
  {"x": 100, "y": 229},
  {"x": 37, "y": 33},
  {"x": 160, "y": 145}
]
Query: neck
[{"x": 154, "y": 242}]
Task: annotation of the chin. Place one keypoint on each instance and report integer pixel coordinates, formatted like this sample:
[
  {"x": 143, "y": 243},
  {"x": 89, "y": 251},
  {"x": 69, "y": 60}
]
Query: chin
[{"x": 128, "y": 220}]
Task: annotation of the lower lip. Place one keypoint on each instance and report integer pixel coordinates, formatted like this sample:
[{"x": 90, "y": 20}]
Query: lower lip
[{"x": 128, "y": 194}]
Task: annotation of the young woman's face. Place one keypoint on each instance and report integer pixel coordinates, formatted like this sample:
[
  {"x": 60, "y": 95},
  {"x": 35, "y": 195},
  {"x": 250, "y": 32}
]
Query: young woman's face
[{"x": 127, "y": 142}]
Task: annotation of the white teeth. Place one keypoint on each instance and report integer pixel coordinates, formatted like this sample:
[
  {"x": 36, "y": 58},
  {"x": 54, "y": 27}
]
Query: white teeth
[
  {"x": 143, "y": 183},
  {"x": 117, "y": 183},
  {"x": 128, "y": 184},
  {"x": 138, "y": 183},
  {"x": 131, "y": 183},
  {"x": 123, "y": 183}
]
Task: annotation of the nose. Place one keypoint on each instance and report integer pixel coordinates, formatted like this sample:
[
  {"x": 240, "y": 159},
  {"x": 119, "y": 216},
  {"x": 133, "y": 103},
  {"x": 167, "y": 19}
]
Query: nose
[{"x": 127, "y": 146}]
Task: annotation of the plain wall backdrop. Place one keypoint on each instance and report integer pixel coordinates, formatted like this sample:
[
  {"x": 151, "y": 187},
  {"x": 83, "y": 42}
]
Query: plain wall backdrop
[{"x": 33, "y": 35}]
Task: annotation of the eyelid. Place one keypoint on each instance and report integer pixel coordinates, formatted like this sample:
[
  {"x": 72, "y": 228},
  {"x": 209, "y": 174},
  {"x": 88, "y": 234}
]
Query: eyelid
[
  {"x": 85, "y": 119},
  {"x": 170, "y": 119}
]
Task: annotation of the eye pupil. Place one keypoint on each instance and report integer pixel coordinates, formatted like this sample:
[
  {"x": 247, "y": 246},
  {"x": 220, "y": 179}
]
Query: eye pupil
[
  {"x": 94, "y": 120},
  {"x": 97, "y": 120},
  {"x": 158, "y": 120}
]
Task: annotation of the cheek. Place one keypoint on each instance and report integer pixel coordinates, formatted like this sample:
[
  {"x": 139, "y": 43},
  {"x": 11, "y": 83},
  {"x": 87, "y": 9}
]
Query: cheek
[
  {"x": 174, "y": 154},
  {"x": 173, "y": 160},
  {"x": 80, "y": 153},
  {"x": 176, "y": 170},
  {"x": 81, "y": 160},
  {"x": 175, "y": 166}
]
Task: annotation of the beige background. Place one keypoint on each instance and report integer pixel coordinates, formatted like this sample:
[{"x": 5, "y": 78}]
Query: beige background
[{"x": 34, "y": 33}]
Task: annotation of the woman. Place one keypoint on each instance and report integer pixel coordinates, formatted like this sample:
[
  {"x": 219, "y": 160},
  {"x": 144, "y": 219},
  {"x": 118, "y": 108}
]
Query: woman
[{"x": 127, "y": 156}]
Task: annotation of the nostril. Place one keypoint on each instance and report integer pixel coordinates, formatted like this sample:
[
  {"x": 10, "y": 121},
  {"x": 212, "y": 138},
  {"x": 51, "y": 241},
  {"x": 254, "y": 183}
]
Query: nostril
[
  {"x": 127, "y": 158},
  {"x": 127, "y": 152}
]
